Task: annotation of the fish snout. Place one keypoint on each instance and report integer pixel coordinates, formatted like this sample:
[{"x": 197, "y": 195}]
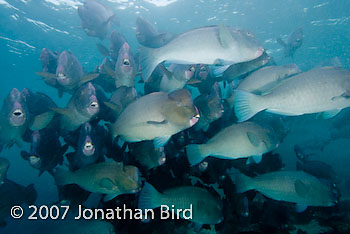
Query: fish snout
[
  {"x": 259, "y": 52},
  {"x": 17, "y": 117},
  {"x": 195, "y": 118},
  {"x": 89, "y": 148},
  {"x": 35, "y": 161}
]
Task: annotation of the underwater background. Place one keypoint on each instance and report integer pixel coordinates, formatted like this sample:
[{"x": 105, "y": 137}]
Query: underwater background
[{"x": 27, "y": 26}]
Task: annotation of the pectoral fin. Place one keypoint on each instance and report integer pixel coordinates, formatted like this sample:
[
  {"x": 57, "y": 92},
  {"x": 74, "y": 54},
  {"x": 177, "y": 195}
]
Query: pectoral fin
[
  {"x": 300, "y": 208},
  {"x": 42, "y": 120},
  {"x": 254, "y": 139},
  {"x": 254, "y": 159},
  {"x": 328, "y": 114},
  {"x": 166, "y": 71},
  {"x": 193, "y": 81},
  {"x": 219, "y": 70},
  {"x": 225, "y": 37},
  {"x": 113, "y": 106},
  {"x": 88, "y": 77},
  {"x": 109, "y": 197},
  {"x": 345, "y": 95},
  {"x": 61, "y": 111},
  {"x": 46, "y": 75},
  {"x": 107, "y": 184},
  {"x": 160, "y": 141},
  {"x": 109, "y": 71},
  {"x": 102, "y": 49}
]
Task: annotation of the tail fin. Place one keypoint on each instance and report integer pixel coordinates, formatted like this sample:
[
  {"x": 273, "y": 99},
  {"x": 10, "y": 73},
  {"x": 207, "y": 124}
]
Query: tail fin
[
  {"x": 246, "y": 105},
  {"x": 243, "y": 183},
  {"x": 63, "y": 177},
  {"x": 149, "y": 197},
  {"x": 149, "y": 61},
  {"x": 30, "y": 194},
  {"x": 195, "y": 153}
]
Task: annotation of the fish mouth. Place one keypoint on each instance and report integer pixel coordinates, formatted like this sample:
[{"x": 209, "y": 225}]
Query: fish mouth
[
  {"x": 17, "y": 112},
  {"x": 126, "y": 62},
  {"x": 162, "y": 159},
  {"x": 195, "y": 118},
  {"x": 203, "y": 166},
  {"x": 93, "y": 107},
  {"x": 35, "y": 161},
  {"x": 259, "y": 52},
  {"x": 62, "y": 78},
  {"x": 89, "y": 148},
  {"x": 17, "y": 118}
]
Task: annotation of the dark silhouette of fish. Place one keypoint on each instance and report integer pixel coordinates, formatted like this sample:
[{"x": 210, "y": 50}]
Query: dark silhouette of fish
[{"x": 294, "y": 42}]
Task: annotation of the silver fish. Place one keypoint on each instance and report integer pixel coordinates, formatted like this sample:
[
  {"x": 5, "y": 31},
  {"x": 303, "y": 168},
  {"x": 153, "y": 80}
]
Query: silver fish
[
  {"x": 290, "y": 186},
  {"x": 208, "y": 45},
  {"x": 325, "y": 90},
  {"x": 236, "y": 141}
]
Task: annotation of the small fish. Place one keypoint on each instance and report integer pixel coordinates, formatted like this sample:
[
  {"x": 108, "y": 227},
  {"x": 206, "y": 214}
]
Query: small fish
[
  {"x": 206, "y": 208},
  {"x": 39, "y": 107},
  {"x": 210, "y": 108},
  {"x": 213, "y": 45},
  {"x": 320, "y": 90},
  {"x": 148, "y": 36},
  {"x": 125, "y": 67},
  {"x": 263, "y": 80},
  {"x": 4, "y": 166},
  {"x": 106, "y": 78},
  {"x": 96, "y": 19},
  {"x": 237, "y": 70},
  {"x": 316, "y": 168},
  {"x": 120, "y": 99},
  {"x": 289, "y": 186},
  {"x": 46, "y": 151},
  {"x": 110, "y": 178},
  {"x": 69, "y": 74},
  {"x": 203, "y": 79},
  {"x": 294, "y": 42},
  {"x": 236, "y": 141},
  {"x": 117, "y": 40},
  {"x": 146, "y": 154},
  {"x": 49, "y": 60},
  {"x": 88, "y": 148},
  {"x": 14, "y": 119},
  {"x": 176, "y": 76},
  {"x": 82, "y": 107},
  {"x": 156, "y": 116}
]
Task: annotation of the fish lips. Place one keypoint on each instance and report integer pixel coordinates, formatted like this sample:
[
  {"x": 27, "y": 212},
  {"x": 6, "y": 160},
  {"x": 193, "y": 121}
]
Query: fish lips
[
  {"x": 88, "y": 148},
  {"x": 35, "y": 161},
  {"x": 195, "y": 118},
  {"x": 18, "y": 116},
  {"x": 62, "y": 79},
  {"x": 93, "y": 107}
]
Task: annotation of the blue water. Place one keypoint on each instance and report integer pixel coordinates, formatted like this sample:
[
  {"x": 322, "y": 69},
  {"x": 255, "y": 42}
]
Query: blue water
[{"x": 27, "y": 26}]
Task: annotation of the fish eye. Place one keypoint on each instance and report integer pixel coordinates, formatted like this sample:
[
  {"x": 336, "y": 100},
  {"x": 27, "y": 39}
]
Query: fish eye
[
  {"x": 93, "y": 104},
  {"x": 126, "y": 62},
  {"x": 192, "y": 69},
  {"x": 17, "y": 113},
  {"x": 196, "y": 116}
]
